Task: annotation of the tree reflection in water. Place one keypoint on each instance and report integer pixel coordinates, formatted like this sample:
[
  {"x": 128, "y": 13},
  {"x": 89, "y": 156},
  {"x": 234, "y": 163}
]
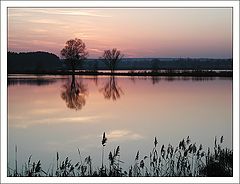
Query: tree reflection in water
[
  {"x": 111, "y": 89},
  {"x": 155, "y": 79},
  {"x": 74, "y": 93},
  {"x": 95, "y": 79}
]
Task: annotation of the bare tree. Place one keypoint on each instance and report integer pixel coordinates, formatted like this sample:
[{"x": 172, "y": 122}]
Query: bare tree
[
  {"x": 111, "y": 58},
  {"x": 74, "y": 52}
]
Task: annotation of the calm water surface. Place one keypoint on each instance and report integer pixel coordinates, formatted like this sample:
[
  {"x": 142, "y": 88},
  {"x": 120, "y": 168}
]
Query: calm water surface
[{"x": 49, "y": 114}]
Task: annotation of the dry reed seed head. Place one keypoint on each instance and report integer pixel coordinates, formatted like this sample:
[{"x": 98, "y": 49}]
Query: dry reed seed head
[
  {"x": 155, "y": 142},
  {"x": 87, "y": 159},
  {"x": 76, "y": 165},
  {"x": 117, "y": 153},
  {"x": 183, "y": 144},
  {"x": 142, "y": 164},
  {"x": 168, "y": 149},
  {"x": 162, "y": 149},
  {"x": 110, "y": 157},
  {"x": 188, "y": 140},
  {"x": 180, "y": 144},
  {"x": 221, "y": 140},
  {"x": 200, "y": 147},
  {"x": 104, "y": 139},
  {"x": 57, "y": 156},
  {"x": 66, "y": 161},
  {"x": 137, "y": 156},
  {"x": 190, "y": 148}
]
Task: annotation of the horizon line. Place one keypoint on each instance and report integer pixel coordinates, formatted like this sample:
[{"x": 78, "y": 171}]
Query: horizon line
[{"x": 161, "y": 57}]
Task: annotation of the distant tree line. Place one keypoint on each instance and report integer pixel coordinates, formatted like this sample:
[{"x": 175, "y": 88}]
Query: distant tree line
[
  {"x": 189, "y": 64},
  {"x": 17, "y": 64},
  {"x": 74, "y": 57},
  {"x": 32, "y": 61}
]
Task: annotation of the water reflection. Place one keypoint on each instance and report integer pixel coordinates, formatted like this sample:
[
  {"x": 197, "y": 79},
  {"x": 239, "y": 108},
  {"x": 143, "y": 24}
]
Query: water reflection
[
  {"x": 40, "y": 81},
  {"x": 74, "y": 93},
  {"x": 74, "y": 90},
  {"x": 155, "y": 79},
  {"x": 95, "y": 80},
  {"x": 25, "y": 81},
  {"x": 111, "y": 90},
  {"x": 203, "y": 78},
  {"x": 207, "y": 105}
]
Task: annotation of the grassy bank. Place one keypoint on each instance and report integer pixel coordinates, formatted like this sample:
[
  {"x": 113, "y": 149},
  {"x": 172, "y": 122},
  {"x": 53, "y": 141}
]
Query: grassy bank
[
  {"x": 194, "y": 73},
  {"x": 186, "y": 159}
]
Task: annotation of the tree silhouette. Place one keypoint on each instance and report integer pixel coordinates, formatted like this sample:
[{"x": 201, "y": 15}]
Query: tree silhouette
[
  {"x": 111, "y": 90},
  {"x": 74, "y": 93},
  {"x": 32, "y": 62},
  {"x": 111, "y": 58},
  {"x": 74, "y": 52}
]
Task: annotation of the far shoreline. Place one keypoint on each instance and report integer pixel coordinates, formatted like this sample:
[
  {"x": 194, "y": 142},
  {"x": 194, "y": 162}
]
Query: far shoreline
[{"x": 170, "y": 73}]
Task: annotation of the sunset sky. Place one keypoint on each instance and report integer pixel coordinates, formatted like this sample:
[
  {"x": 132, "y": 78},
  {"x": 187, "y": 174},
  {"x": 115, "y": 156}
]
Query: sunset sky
[{"x": 156, "y": 32}]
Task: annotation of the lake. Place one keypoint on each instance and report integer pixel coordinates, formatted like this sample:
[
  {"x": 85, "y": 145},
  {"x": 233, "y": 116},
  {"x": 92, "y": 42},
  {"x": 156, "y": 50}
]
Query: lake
[{"x": 50, "y": 114}]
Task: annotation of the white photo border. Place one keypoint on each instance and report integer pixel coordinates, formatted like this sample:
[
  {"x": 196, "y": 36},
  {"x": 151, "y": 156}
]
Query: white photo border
[{"x": 123, "y": 4}]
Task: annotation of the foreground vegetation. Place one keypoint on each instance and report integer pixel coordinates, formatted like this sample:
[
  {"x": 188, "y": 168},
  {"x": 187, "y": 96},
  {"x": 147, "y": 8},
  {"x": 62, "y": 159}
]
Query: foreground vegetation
[{"x": 186, "y": 159}]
